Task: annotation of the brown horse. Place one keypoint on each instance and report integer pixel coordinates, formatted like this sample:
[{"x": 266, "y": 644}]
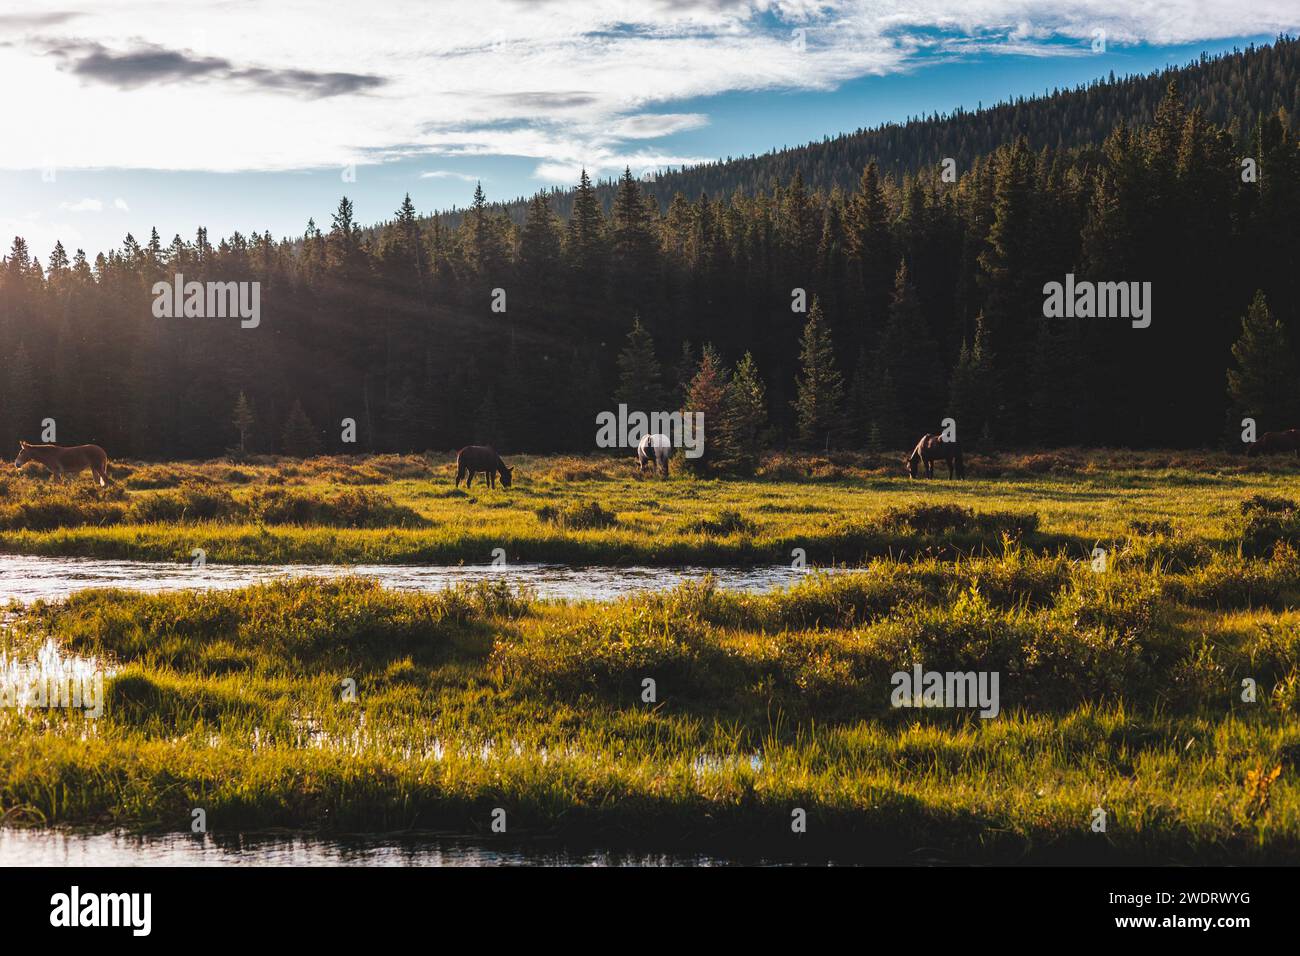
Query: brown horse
[
  {"x": 475, "y": 458},
  {"x": 61, "y": 461},
  {"x": 932, "y": 448},
  {"x": 1273, "y": 443}
]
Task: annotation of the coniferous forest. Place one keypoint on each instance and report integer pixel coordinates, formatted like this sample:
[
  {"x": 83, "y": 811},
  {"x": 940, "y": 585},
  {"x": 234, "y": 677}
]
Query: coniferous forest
[{"x": 921, "y": 294}]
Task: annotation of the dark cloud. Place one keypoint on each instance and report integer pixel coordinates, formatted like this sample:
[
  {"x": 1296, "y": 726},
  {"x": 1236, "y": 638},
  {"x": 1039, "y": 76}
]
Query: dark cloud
[{"x": 154, "y": 64}]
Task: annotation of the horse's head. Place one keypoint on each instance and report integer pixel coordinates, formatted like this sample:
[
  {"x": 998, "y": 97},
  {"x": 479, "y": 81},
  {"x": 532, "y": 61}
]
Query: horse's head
[
  {"x": 506, "y": 475},
  {"x": 911, "y": 464},
  {"x": 24, "y": 454}
]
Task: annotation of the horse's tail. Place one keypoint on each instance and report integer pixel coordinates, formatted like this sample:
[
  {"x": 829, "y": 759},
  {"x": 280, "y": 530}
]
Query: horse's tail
[{"x": 959, "y": 466}]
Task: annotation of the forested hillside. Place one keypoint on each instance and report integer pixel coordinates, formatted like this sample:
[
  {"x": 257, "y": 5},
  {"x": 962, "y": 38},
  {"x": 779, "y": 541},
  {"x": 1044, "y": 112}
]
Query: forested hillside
[
  {"x": 1233, "y": 91},
  {"x": 924, "y": 297}
]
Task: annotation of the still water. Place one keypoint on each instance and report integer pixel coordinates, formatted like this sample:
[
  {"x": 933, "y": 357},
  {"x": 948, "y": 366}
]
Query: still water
[
  {"x": 29, "y": 578},
  {"x": 23, "y": 847}
]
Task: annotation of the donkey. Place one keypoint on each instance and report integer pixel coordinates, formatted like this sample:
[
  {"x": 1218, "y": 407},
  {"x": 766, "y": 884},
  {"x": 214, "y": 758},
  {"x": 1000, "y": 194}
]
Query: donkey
[
  {"x": 657, "y": 448},
  {"x": 484, "y": 458},
  {"x": 932, "y": 448},
  {"x": 60, "y": 460},
  {"x": 1272, "y": 443}
]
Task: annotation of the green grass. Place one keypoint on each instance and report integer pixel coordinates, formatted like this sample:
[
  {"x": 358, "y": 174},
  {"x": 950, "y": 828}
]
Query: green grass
[
  {"x": 1115, "y": 693},
  {"x": 1120, "y": 689},
  {"x": 842, "y": 509}
]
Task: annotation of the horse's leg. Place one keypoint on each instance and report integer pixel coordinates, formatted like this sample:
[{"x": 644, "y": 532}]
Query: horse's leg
[{"x": 459, "y": 475}]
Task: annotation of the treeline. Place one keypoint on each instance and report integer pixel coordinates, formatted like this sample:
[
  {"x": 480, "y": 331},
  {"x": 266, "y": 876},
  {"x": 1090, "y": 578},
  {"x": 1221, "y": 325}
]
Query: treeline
[
  {"x": 1233, "y": 90},
  {"x": 922, "y": 299}
]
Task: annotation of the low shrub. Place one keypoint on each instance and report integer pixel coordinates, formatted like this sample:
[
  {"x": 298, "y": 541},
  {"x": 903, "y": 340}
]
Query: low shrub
[{"x": 581, "y": 516}]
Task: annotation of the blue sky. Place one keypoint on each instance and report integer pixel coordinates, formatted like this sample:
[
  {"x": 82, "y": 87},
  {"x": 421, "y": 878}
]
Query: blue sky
[{"x": 212, "y": 114}]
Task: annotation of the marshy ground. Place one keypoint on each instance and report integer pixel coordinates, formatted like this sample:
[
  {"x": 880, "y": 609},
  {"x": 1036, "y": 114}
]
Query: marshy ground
[{"x": 1124, "y": 683}]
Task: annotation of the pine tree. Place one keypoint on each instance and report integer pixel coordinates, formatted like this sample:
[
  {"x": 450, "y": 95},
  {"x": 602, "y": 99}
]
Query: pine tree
[
  {"x": 972, "y": 389},
  {"x": 909, "y": 351},
  {"x": 640, "y": 380},
  {"x": 299, "y": 438},
  {"x": 633, "y": 244},
  {"x": 707, "y": 395},
  {"x": 244, "y": 420},
  {"x": 858, "y": 412},
  {"x": 819, "y": 387},
  {"x": 1263, "y": 385},
  {"x": 744, "y": 417},
  {"x": 540, "y": 254},
  {"x": 584, "y": 245},
  {"x": 887, "y": 428}
]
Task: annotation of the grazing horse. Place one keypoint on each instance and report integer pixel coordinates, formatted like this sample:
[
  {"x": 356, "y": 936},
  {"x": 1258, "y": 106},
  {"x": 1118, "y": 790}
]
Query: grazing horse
[
  {"x": 61, "y": 461},
  {"x": 657, "y": 447},
  {"x": 932, "y": 448},
  {"x": 484, "y": 458},
  {"x": 1272, "y": 443}
]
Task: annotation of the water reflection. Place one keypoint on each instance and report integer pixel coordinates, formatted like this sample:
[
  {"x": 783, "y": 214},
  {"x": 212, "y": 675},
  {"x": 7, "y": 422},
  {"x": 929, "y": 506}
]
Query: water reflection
[
  {"x": 27, "y": 578},
  {"x": 21, "y": 847}
]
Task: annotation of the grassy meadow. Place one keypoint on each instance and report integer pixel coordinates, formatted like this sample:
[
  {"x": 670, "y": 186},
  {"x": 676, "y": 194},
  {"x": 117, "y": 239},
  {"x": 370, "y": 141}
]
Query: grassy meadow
[
  {"x": 840, "y": 509},
  {"x": 1121, "y": 688}
]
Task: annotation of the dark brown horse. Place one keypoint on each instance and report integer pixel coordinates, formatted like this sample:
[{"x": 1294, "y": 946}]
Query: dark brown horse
[
  {"x": 1275, "y": 443},
  {"x": 932, "y": 448},
  {"x": 62, "y": 461},
  {"x": 476, "y": 458}
]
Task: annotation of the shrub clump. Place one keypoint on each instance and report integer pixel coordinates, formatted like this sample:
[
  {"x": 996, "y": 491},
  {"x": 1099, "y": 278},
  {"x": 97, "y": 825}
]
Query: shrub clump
[
  {"x": 190, "y": 501},
  {"x": 350, "y": 508},
  {"x": 721, "y": 524},
  {"x": 577, "y": 517}
]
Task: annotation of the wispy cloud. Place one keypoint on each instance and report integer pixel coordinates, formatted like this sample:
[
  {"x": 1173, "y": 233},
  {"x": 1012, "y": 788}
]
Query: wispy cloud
[
  {"x": 83, "y": 205},
  {"x": 448, "y": 174},
  {"x": 235, "y": 86}
]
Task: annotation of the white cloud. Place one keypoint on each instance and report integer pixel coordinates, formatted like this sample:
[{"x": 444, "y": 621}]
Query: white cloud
[
  {"x": 120, "y": 205},
  {"x": 448, "y": 174},
  {"x": 83, "y": 205},
  {"x": 312, "y": 84}
]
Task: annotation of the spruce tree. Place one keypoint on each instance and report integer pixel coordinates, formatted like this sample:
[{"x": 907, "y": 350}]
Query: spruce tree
[
  {"x": 909, "y": 351},
  {"x": 744, "y": 417},
  {"x": 972, "y": 389},
  {"x": 245, "y": 419},
  {"x": 299, "y": 438},
  {"x": 707, "y": 395},
  {"x": 640, "y": 380},
  {"x": 819, "y": 387},
  {"x": 1263, "y": 385}
]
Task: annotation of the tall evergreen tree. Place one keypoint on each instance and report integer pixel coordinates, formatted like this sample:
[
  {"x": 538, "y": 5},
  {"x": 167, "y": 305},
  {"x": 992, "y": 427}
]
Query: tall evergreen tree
[
  {"x": 707, "y": 396},
  {"x": 244, "y": 420},
  {"x": 1264, "y": 384},
  {"x": 819, "y": 387},
  {"x": 744, "y": 417},
  {"x": 299, "y": 437},
  {"x": 640, "y": 380}
]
